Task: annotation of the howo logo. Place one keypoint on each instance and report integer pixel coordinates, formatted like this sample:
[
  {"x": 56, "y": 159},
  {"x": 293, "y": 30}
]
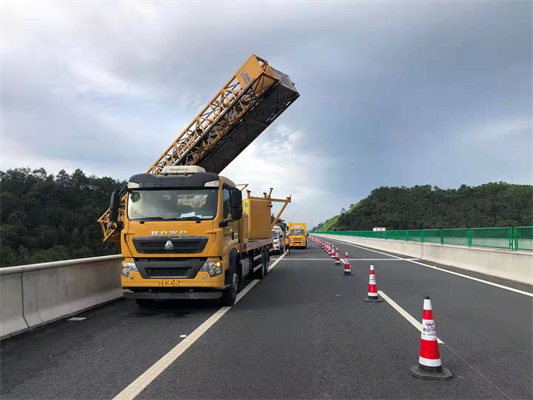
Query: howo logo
[{"x": 169, "y": 233}]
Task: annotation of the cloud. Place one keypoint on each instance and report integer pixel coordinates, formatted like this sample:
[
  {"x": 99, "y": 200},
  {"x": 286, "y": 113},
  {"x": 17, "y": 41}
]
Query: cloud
[
  {"x": 503, "y": 129},
  {"x": 275, "y": 160},
  {"x": 438, "y": 92}
]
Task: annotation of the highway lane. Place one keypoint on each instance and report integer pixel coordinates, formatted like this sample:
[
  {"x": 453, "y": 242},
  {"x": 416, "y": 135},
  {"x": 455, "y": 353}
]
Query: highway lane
[
  {"x": 97, "y": 357},
  {"x": 303, "y": 332},
  {"x": 490, "y": 327}
]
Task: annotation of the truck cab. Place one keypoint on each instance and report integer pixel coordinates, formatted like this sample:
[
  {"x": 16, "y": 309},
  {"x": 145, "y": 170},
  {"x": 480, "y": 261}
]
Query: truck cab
[
  {"x": 180, "y": 236},
  {"x": 298, "y": 234}
]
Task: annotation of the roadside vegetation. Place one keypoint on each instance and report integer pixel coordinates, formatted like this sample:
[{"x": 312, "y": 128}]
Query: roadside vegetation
[
  {"x": 48, "y": 218},
  {"x": 425, "y": 207}
]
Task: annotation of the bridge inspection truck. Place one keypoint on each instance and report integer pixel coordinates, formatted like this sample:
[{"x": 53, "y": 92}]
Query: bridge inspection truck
[
  {"x": 185, "y": 231},
  {"x": 298, "y": 234}
]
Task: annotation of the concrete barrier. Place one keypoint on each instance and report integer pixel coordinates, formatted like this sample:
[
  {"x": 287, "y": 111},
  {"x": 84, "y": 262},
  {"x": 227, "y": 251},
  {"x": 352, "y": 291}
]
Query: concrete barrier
[
  {"x": 32, "y": 295},
  {"x": 11, "y": 306},
  {"x": 512, "y": 265}
]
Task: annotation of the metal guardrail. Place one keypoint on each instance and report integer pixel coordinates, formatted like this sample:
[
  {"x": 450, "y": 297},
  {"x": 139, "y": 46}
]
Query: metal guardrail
[{"x": 507, "y": 238}]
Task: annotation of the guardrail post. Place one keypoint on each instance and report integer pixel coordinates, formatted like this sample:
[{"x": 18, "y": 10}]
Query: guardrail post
[
  {"x": 469, "y": 237},
  {"x": 513, "y": 234},
  {"x": 441, "y": 234}
]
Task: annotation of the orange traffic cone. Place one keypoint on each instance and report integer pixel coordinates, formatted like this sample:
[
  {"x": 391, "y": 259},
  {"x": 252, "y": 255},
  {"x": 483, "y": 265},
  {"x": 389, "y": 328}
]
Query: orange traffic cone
[
  {"x": 347, "y": 268},
  {"x": 429, "y": 363},
  {"x": 332, "y": 252},
  {"x": 372, "y": 287},
  {"x": 337, "y": 258}
]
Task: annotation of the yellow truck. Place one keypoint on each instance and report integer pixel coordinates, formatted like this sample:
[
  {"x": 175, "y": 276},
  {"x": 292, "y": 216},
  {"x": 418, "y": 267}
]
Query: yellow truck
[
  {"x": 185, "y": 236},
  {"x": 298, "y": 234},
  {"x": 185, "y": 231}
]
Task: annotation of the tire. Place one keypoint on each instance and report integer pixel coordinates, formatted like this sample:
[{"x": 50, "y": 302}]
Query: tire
[
  {"x": 145, "y": 303},
  {"x": 229, "y": 295}
]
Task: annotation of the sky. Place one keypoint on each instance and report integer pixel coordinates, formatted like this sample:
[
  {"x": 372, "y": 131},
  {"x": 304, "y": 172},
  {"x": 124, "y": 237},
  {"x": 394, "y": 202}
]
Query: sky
[{"x": 437, "y": 93}]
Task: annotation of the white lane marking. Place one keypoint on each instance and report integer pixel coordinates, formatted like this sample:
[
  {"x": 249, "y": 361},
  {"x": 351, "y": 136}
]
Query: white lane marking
[
  {"x": 277, "y": 261},
  {"x": 403, "y": 313},
  {"x": 139, "y": 384},
  {"x": 418, "y": 326},
  {"x": 443, "y": 270},
  {"x": 305, "y": 259},
  {"x": 383, "y": 259},
  {"x": 77, "y": 319},
  {"x": 183, "y": 336},
  {"x": 246, "y": 289}
]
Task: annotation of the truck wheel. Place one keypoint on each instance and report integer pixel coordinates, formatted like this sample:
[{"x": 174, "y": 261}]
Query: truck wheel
[
  {"x": 229, "y": 295},
  {"x": 145, "y": 303}
]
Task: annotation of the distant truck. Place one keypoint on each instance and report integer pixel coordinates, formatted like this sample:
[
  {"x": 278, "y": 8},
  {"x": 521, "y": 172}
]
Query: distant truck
[
  {"x": 278, "y": 239},
  {"x": 298, "y": 234}
]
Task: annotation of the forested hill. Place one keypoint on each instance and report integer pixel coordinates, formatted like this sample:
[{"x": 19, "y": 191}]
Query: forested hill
[
  {"x": 424, "y": 207},
  {"x": 48, "y": 218}
]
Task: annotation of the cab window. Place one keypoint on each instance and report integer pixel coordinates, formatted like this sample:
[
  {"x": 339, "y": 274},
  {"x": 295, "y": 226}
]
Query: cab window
[{"x": 226, "y": 205}]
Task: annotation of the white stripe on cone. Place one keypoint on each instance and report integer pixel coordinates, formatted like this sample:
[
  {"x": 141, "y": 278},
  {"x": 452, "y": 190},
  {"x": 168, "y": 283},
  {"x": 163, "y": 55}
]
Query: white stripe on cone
[
  {"x": 428, "y": 362},
  {"x": 372, "y": 283},
  {"x": 347, "y": 268},
  {"x": 428, "y": 342}
]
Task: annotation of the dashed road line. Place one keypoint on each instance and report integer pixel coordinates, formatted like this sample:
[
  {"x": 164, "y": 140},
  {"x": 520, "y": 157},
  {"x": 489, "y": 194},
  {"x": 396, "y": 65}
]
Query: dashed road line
[
  {"x": 403, "y": 313},
  {"x": 418, "y": 326}
]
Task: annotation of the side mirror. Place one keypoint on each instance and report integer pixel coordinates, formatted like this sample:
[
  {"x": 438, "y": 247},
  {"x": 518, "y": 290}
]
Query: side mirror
[
  {"x": 235, "y": 200},
  {"x": 113, "y": 206}
]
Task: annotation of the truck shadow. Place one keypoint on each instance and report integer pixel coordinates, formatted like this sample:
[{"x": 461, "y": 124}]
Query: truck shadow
[{"x": 177, "y": 308}]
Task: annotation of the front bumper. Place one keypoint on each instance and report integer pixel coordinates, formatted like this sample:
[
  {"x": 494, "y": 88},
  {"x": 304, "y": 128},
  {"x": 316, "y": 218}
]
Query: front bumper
[
  {"x": 202, "y": 280},
  {"x": 176, "y": 274},
  {"x": 172, "y": 295}
]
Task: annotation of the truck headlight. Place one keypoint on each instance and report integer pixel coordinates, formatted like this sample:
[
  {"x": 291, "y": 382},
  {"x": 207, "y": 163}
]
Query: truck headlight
[
  {"x": 213, "y": 268},
  {"x": 128, "y": 267}
]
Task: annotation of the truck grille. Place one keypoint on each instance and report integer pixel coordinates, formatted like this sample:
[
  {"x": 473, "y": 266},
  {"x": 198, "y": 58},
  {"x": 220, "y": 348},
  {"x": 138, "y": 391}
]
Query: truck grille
[
  {"x": 167, "y": 272},
  {"x": 169, "y": 268},
  {"x": 157, "y": 245}
]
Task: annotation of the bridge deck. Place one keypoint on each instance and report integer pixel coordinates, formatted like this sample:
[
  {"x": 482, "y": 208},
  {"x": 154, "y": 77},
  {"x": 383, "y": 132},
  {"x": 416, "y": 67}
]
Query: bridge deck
[{"x": 303, "y": 332}]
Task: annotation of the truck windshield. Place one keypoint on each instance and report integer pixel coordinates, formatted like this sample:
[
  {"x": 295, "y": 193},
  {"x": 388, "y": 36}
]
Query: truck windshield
[
  {"x": 274, "y": 234},
  {"x": 297, "y": 232},
  {"x": 175, "y": 204}
]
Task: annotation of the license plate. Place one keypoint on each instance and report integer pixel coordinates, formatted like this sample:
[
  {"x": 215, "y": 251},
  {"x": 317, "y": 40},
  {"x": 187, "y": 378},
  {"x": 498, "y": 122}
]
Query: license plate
[{"x": 169, "y": 282}]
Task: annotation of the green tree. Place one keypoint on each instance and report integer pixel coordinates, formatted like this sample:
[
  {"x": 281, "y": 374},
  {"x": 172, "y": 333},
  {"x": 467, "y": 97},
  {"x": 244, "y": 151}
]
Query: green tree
[{"x": 48, "y": 218}]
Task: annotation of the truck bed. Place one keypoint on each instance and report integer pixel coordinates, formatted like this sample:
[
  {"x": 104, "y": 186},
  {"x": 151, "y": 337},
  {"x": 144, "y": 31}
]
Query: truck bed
[{"x": 255, "y": 244}]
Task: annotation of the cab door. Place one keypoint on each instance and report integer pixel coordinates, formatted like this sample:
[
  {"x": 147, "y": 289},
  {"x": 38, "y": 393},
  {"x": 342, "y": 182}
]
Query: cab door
[{"x": 231, "y": 230}]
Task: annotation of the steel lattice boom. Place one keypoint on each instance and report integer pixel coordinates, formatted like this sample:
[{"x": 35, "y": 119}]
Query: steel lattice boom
[{"x": 249, "y": 102}]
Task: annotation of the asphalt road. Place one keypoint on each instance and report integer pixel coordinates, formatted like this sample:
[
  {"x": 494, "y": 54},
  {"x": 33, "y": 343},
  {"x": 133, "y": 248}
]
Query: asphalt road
[{"x": 303, "y": 332}]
